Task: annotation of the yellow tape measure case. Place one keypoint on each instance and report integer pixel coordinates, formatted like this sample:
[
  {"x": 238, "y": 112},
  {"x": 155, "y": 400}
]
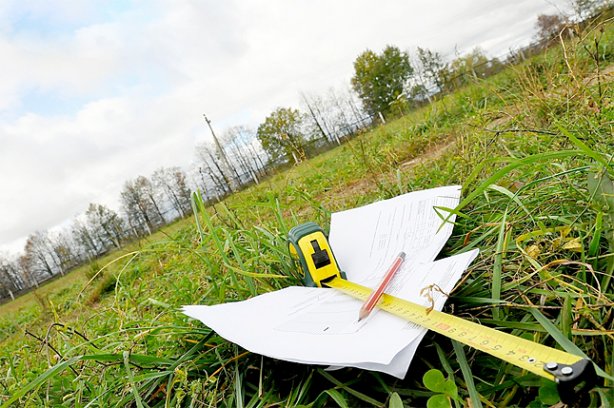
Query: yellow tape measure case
[{"x": 308, "y": 244}]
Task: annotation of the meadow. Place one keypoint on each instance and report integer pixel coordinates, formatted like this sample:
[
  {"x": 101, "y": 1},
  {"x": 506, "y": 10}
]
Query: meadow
[{"x": 532, "y": 148}]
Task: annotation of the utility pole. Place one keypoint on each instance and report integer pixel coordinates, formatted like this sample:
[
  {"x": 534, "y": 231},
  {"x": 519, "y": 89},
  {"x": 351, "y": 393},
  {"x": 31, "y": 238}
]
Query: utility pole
[{"x": 220, "y": 152}]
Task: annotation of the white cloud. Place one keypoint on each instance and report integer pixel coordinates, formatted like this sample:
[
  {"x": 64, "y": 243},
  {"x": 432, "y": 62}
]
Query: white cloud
[{"x": 121, "y": 92}]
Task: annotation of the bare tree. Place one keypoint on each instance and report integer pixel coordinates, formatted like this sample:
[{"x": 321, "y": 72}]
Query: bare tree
[
  {"x": 140, "y": 205},
  {"x": 247, "y": 141},
  {"x": 105, "y": 224},
  {"x": 23, "y": 264},
  {"x": 343, "y": 107},
  {"x": 549, "y": 26},
  {"x": 431, "y": 68},
  {"x": 172, "y": 182},
  {"x": 335, "y": 115},
  {"x": 240, "y": 141},
  {"x": 211, "y": 167},
  {"x": 182, "y": 192},
  {"x": 39, "y": 256},
  {"x": 86, "y": 239},
  {"x": 64, "y": 251},
  {"x": 136, "y": 208},
  {"x": 585, "y": 9},
  {"x": 11, "y": 280},
  {"x": 224, "y": 166},
  {"x": 201, "y": 181},
  {"x": 316, "y": 118},
  {"x": 147, "y": 189}
]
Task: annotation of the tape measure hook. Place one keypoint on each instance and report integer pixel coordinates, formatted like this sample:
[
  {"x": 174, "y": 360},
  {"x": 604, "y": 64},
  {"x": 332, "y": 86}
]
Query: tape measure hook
[{"x": 572, "y": 379}]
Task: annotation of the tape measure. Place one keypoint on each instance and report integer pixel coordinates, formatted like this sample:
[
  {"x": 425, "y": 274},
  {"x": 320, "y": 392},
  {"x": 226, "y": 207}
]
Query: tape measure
[{"x": 309, "y": 245}]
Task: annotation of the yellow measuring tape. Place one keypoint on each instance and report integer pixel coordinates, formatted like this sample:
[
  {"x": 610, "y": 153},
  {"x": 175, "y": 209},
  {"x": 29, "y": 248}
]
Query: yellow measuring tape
[
  {"x": 309, "y": 246},
  {"x": 523, "y": 353}
]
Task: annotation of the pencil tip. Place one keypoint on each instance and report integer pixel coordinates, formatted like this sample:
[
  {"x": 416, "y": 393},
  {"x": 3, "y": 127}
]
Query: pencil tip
[{"x": 362, "y": 314}]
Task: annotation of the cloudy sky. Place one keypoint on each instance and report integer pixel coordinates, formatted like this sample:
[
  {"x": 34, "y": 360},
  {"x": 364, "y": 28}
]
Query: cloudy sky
[{"x": 93, "y": 93}]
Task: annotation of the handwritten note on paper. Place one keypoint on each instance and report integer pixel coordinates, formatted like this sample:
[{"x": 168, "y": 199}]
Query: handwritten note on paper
[{"x": 319, "y": 325}]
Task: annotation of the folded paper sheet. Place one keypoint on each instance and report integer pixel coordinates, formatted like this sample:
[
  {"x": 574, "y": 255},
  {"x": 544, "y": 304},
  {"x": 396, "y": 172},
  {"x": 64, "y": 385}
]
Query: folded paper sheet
[{"x": 319, "y": 326}]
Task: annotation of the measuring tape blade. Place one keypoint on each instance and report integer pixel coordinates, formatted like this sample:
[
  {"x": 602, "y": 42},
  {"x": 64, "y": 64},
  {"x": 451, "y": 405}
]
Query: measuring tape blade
[{"x": 523, "y": 353}]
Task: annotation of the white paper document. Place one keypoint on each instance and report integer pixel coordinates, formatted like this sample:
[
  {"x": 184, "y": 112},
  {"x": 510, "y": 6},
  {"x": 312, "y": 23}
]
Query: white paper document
[
  {"x": 319, "y": 325},
  {"x": 365, "y": 240}
]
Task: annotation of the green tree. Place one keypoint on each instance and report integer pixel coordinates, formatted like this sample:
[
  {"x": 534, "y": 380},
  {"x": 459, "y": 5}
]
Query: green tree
[
  {"x": 466, "y": 69},
  {"x": 381, "y": 79},
  {"x": 281, "y": 136}
]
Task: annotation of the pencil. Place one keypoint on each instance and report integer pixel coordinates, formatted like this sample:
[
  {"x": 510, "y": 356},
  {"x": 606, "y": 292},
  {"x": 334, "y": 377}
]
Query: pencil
[{"x": 376, "y": 295}]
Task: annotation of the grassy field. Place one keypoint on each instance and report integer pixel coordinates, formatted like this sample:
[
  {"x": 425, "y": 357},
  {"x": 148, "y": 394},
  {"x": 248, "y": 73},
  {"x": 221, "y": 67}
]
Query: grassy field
[{"x": 532, "y": 148}]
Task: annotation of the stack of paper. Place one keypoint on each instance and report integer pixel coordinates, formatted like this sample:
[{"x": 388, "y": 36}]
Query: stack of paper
[{"x": 319, "y": 325}]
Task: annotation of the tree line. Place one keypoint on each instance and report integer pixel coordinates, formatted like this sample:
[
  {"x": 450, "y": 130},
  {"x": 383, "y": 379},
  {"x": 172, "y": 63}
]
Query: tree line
[
  {"x": 147, "y": 203},
  {"x": 384, "y": 85},
  {"x": 240, "y": 157}
]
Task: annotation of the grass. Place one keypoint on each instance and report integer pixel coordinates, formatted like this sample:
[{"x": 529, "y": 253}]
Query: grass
[{"x": 532, "y": 148}]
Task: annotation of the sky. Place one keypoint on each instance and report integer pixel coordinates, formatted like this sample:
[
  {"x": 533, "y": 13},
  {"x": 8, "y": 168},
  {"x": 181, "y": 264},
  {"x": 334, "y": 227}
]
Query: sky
[{"x": 97, "y": 92}]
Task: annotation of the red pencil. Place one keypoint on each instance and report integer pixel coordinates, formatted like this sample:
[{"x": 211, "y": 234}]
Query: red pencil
[{"x": 375, "y": 296}]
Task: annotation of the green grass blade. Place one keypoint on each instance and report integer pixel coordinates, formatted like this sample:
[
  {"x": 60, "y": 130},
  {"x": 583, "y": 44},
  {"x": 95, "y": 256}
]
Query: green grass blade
[
  {"x": 395, "y": 401},
  {"x": 497, "y": 269},
  {"x": 467, "y": 376},
  {"x": 512, "y": 196},
  {"x": 582, "y": 146},
  {"x": 197, "y": 203},
  {"x": 337, "y": 397},
  {"x": 566, "y": 317},
  {"x": 238, "y": 386},
  {"x": 350, "y": 390},
  {"x": 533, "y": 159},
  {"x": 443, "y": 359},
  {"x": 133, "y": 387}
]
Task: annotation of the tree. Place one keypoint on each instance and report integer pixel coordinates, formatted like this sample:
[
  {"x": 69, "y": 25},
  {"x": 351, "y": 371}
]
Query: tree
[
  {"x": 333, "y": 115},
  {"x": 316, "y": 119},
  {"x": 11, "y": 280},
  {"x": 244, "y": 147},
  {"x": 281, "y": 136},
  {"x": 461, "y": 71},
  {"x": 172, "y": 181},
  {"x": 346, "y": 116},
  {"x": 431, "y": 67},
  {"x": 585, "y": 9},
  {"x": 379, "y": 80},
  {"x": 549, "y": 26},
  {"x": 39, "y": 257},
  {"x": 140, "y": 206},
  {"x": 86, "y": 240},
  {"x": 23, "y": 264},
  {"x": 212, "y": 169},
  {"x": 105, "y": 224},
  {"x": 419, "y": 93},
  {"x": 224, "y": 164},
  {"x": 63, "y": 248},
  {"x": 147, "y": 189}
]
